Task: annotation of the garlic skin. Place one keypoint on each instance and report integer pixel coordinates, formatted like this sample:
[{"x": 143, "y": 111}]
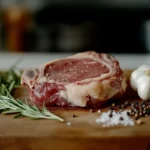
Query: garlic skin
[{"x": 140, "y": 81}]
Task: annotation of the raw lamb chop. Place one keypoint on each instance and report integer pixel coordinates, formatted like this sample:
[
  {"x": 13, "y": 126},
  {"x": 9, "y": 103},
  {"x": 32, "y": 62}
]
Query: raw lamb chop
[{"x": 84, "y": 79}]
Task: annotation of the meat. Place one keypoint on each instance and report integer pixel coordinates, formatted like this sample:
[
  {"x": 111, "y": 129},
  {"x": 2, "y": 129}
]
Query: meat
[{"x": 84, "y": 79}]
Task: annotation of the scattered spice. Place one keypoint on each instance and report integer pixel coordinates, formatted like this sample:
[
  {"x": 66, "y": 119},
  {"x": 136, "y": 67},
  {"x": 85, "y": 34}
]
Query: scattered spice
[
  {"x": 99, "y": 111},
  {"x": 120, "y": 110},
  {"x": 136, "y": 111},
  {"x": 121, "y": 118},
  {"x": 110, "y": 115},
  {"x": 128, "y": 113},
  {"x": 110, "y": 108},
  {"x": 118, "y": 115},
  {"x": 123, "y": 106},
  {"x": 136, "y": 104},
  {"x": 91, "y": 110},
  {"x": 140, "y": 109},
  {"x": 74, "y": 116},
  {"x": 113, "y": 105},
  {"x": 132, "y": 105},
  {"x": 148, "y": 111},
  {"x": 69, "y": 123},
  {"x": 111, "y": 111},
  {"x": 139, "y": 121},
  {"x": 115, "y": 119},
  {"x": 140, "y": 114},
  {"x": 136, "y": 115},
  {"x": 126, "y": 103},
  {"x": 144, "y": 111}
]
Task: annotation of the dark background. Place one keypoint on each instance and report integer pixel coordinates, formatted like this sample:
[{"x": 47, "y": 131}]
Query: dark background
[{"x": 68, "y": 26}]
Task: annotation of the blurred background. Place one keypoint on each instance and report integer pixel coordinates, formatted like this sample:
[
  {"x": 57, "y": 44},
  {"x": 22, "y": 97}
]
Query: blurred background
[{"x": 114, "y": 26}]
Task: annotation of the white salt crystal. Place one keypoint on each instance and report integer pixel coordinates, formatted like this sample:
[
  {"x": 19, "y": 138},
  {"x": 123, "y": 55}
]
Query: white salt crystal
[
  {"x": 99, "y": 111},
  {"x": 97, "y": 120},
  {"x": 68, "y": 123},
  {"x": 115, "y": 119}
]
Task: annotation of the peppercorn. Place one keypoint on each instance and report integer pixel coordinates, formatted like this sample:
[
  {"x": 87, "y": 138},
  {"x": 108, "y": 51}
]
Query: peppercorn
[
  {"x": 121, "y": 118},
  {"x": 148, "y": 111},
  {"x": 128, "y": 113},
  {"x": 123, "y": 106},
  {"x": 135, "y": 110},
  {"x": 132, "y": 113},
  {"x": 132, "y": 105},
  {"x": 74, "y": 116},
  {"x": 91, "y": 110},
  {"x": 136, "y": 115},
  {"x": 136, "y": 105},
  {"x": 126, "y": 103},
  {"x": 120, "y": 110},
  {"x": 139, "y": 121},
  {"x": 110, "y": 115},
  {"x": 144, "y": 111},
  {"x": 113, "y": 105}
]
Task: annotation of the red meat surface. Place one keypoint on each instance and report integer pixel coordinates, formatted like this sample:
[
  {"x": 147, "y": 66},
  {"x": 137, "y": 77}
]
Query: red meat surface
[{"x": 84, "y": 79}]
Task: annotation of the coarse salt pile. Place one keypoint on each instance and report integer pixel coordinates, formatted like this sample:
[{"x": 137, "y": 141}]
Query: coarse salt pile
[{"x": 115, "y": 118}]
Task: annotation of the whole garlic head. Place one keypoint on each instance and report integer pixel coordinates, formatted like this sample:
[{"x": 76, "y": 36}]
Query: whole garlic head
[{"x": 140, "y": 81}]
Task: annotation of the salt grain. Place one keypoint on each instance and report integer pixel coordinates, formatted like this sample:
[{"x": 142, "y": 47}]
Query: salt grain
[
  {"x": 68, "y": 123},
  {"x": 107, "y": 121},
  {"x": 99, "y": 111},
  {"x": 139, "y": 121}
]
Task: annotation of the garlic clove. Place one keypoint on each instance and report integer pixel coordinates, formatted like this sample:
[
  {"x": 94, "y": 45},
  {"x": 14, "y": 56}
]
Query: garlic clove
[
  {"x": 140, "y": 81},
  {"x": 133, "y": 79},
  {"x": 144, "y": 90},
  {"x": 143, "y": 67}
]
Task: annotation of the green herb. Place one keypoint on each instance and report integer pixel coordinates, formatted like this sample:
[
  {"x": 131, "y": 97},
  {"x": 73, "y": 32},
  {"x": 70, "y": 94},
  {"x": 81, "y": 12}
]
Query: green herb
[
  {"x": 10, "y": 105},
  {"x": 11, "y": 75}
]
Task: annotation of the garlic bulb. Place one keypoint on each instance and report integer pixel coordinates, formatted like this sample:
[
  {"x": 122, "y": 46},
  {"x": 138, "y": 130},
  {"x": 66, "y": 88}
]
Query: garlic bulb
[{"x": 140, "y": 81}]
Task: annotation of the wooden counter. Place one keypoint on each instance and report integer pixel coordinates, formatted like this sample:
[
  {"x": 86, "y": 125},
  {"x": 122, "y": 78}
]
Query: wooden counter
[{"x": 83, "y": 133}]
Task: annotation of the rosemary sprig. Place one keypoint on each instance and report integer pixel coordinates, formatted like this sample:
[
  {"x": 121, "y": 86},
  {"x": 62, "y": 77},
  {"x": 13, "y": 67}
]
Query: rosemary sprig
[{"x": 10, "y": 105}]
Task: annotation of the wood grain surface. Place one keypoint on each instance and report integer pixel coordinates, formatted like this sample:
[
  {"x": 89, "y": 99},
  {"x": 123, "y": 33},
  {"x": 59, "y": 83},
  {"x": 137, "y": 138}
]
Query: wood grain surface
[{"x": 83, "y": 133}]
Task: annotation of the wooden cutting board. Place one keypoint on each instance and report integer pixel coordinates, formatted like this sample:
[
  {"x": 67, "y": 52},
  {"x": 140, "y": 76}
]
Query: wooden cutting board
[{"x": 83, "y": 133}]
